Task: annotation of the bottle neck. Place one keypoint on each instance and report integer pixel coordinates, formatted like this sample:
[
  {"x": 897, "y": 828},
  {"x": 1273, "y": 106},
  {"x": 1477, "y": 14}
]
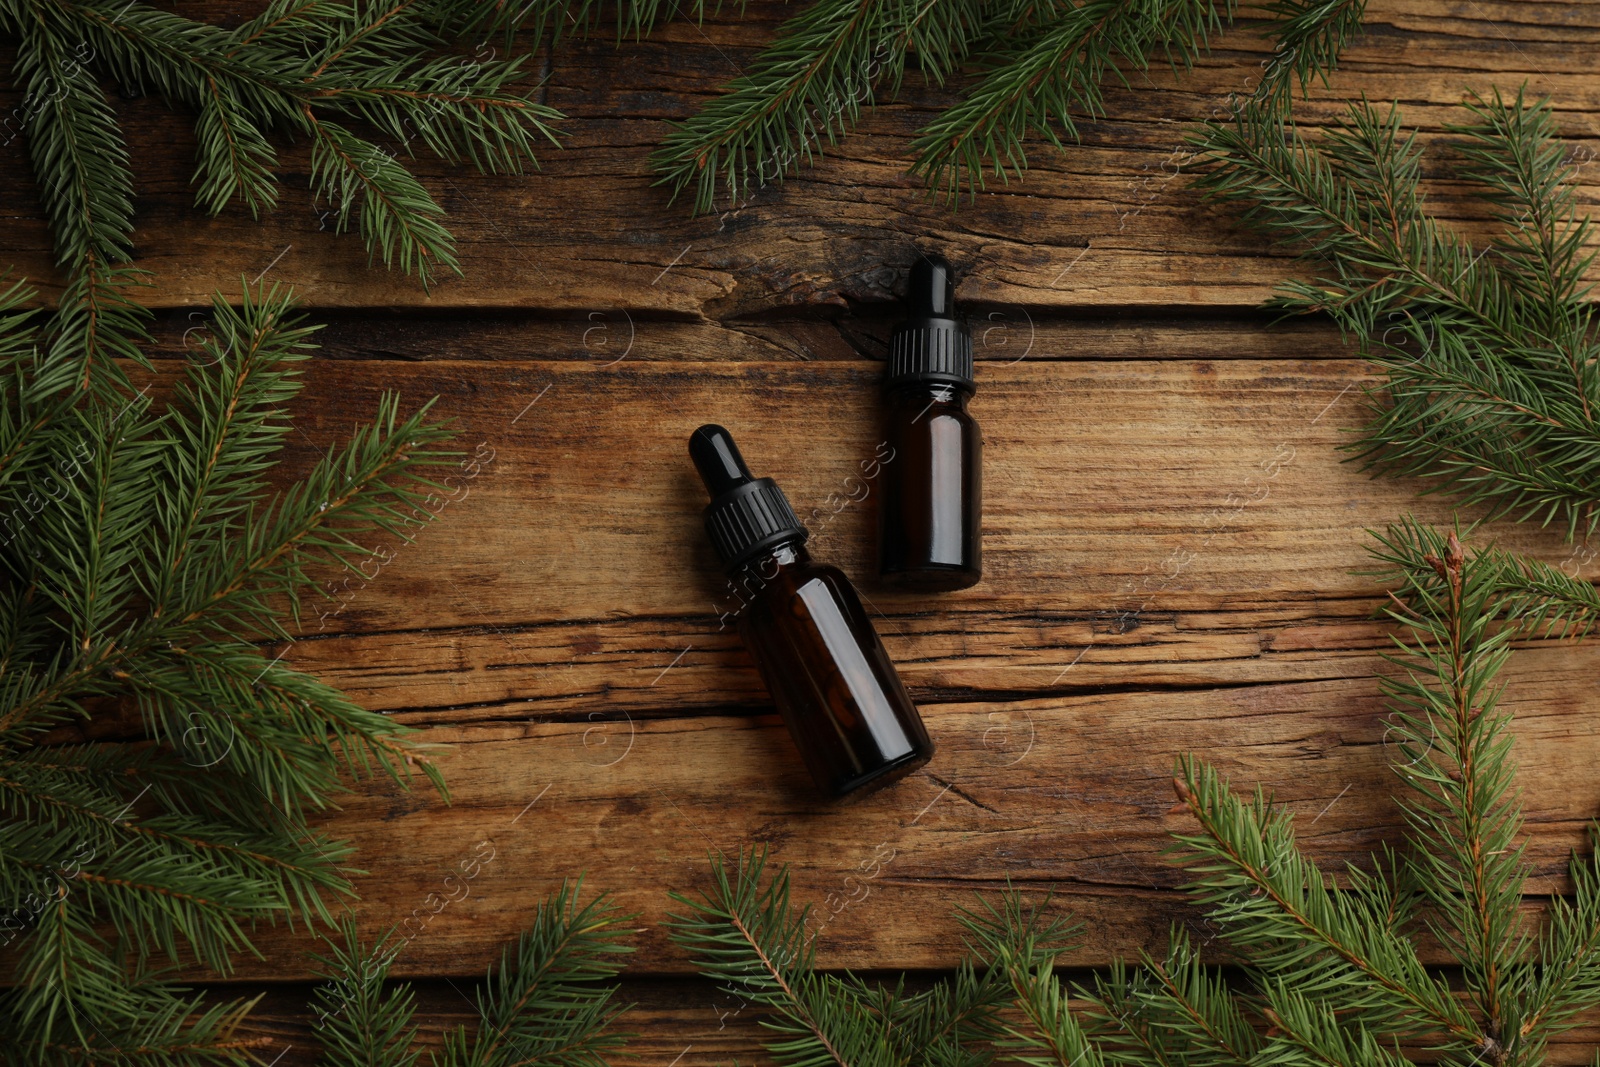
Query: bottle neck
[
  {"x": 942, "y": 394},
  {"x": 765, "y": 566}
]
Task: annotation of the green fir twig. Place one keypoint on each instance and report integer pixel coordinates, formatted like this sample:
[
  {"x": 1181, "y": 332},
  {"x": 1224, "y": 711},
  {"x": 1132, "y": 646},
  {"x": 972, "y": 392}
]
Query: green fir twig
[
  {"x": 1034, "y": 71},
  {"x": 1490, "y": 386},
  {"x": 1326, "y": 972},
  {"x": 143, "y": 547},
  {"x": 368, "y": 84},
  {"x": 550, "y": 1001}
]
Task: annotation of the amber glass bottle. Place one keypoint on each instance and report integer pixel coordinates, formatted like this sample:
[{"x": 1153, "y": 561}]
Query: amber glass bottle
[
  {"x": 804, "y": 625},
  {"x": 930, "y": 510}
]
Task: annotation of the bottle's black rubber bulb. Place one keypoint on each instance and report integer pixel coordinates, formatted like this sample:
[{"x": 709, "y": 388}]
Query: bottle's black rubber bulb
[
  {"x": 717, "y": 459},
  {"x": 931, "y": 292}
]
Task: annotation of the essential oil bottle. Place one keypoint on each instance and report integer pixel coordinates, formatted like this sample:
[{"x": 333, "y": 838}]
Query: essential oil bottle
[
  {"x": 804, "y": 625},
  {"x": 930, "y": 511}
]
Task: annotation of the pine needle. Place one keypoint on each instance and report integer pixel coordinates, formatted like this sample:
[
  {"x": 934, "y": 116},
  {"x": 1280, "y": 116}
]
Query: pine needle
[
  {"x": 1036, "y": 70},
  {"x": 302, "y": 67},
  {"x": 1324, "y": 971},
  {"x": 142, "y": 544},
  {"x": 1491, "y": 391}
]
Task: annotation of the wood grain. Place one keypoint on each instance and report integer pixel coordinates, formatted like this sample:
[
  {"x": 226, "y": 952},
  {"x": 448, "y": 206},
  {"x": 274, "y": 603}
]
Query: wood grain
[
  {"x": 1065, "y": 794},
  {"x": 1109, "y": 222},
  {"x": 1171, "y": 531},
  {"x": 1109, "y": 487},
  {"x": 1172, "y": 547},
  {"x": 1002, "y": 334}
]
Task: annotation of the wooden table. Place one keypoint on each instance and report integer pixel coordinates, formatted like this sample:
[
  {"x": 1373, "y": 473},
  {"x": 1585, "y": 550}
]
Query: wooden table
[{"x": 1170, "y": 526}]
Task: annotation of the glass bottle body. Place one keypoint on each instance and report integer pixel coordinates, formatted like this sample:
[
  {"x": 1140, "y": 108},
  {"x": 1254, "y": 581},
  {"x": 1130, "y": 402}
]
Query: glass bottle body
[
  {"x": 930, "y": 514},
  {"x": 828, "y": 673}
]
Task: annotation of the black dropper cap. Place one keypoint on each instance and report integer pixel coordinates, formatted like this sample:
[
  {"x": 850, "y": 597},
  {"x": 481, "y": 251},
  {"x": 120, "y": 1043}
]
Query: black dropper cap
[
  {"x": 747, "y": 515},
  {"x": 931, "y": 346}
]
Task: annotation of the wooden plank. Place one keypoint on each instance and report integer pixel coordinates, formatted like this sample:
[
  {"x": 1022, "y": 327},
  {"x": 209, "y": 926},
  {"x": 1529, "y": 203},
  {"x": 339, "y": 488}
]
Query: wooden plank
[
  {"x": 1171, "y": 534},
  {"x": 659, "y": 666},
  {"x": 1110, "y": 487},
  {"x": 1069, "y": 794},
  {"x": 1202, "y": 499},
  {"x": 1107, "y": 223}
]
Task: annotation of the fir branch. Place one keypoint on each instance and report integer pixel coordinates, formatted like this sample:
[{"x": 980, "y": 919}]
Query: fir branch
[
  {"x": 1490, "y": 391},
  {"x": 236, "y": 160},
  {"x": 1037, "y": 79},
  {"x": 34, "y": 393},
  {"x": 378, "y": 483},
  {"x": 1569, "y": 982},
  {"x": 304, "y": 67},
  {"x": 1328, "y": 975},
  {"x": 948, "y": 1024},
  {"x": 82, "y": 169},
  {"x": 77, "y": 151},
  {"x": 168, "y": 1030},
  {"x": 1308, "y": 39},
  {"x": 552, "y": 22},
  {"x": 744, "y": 935},
  {"x": 358, "y": 1023},
  {"x": 1055, "y": 1033},
  {"x": 311, "y": 67},
  {"x": 1352, "y": 203},
  {"x": 228, "y": 411},
  {"x": 280, "y": 21},
  {"x": 1537, "y": 598},
  {"x": 133, "y": 890},
  {"x": 194, "y": 700},
  {"x": 1274, "y": 903},
  {"x": 316, "y": 521},
  {"x": 384, "y": 28},
  {"x": 807, "y": 87},
  {"x": 149, "y": 537},
  {"x": 1038, "y": 69},
  {"x": 1014, "y": 943},
  {"x": 87, "y": 545},
  {"x": 1024, "y": 954},
  {"x": 1464, "y": 818},
  {"x": 459, "y": 110},
  {"x": 395, "y": 214},
  {"x": 85, "y": 1009},
  {"x": 1515, "y": 156},
  {"x": 71, "y": 800},
  {"x": 180, "y": 59},
  {"x": 97, "y": 324},
  {"x": 1171, "y": 1012},
  {"x": 1309, "y": 1034},
  {"x": 548, "y": 1003}
]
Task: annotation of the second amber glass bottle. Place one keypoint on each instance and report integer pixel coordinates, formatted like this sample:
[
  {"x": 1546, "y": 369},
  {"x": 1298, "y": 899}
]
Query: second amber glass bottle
[
  {"x": 930, "y": 511},
  {"x": 811, "y": 639}
]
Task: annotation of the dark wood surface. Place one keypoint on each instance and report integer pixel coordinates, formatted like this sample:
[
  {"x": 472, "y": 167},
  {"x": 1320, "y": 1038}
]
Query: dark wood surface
[{"x": 1172, "y": 531}]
